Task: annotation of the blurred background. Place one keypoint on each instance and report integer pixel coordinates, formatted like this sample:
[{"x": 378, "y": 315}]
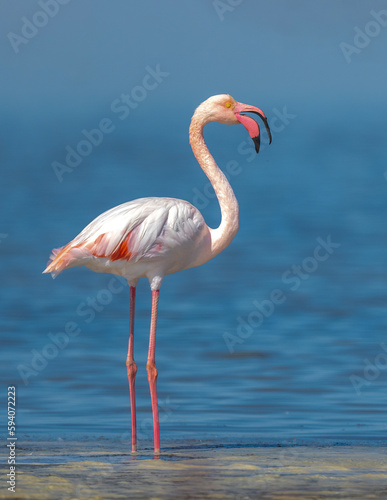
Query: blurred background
[{"x": 283, "y": 335}]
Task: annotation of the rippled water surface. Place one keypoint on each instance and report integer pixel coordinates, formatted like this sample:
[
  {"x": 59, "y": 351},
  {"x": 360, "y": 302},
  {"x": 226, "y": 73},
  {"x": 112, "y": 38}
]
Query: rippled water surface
[{"x": 311, "y": 364}]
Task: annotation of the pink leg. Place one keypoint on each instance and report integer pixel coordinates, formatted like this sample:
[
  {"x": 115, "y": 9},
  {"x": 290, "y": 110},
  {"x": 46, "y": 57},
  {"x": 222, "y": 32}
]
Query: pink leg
[
  {"x": 152, "y": 371},
  {"x": 132, "y": 368}
]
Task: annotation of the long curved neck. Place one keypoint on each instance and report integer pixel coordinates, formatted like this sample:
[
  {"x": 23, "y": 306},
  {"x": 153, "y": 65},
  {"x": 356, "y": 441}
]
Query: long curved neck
[{"x": 222, "y": 236}]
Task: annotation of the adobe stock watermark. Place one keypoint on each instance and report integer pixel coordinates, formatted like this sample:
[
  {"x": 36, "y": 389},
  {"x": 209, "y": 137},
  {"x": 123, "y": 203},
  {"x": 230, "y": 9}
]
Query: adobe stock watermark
[
  {"x": 278, "y": 121},
  {"x": 363, "y": 37},
  {"x": 121, "y": 108},
  {"x": 293, "y": 277},
  {"x": 30, "y": 27},
  {"x": 371, "y": 370},
  {"x": 225, "y": 6},
  {"x": 87, "y": 310}
]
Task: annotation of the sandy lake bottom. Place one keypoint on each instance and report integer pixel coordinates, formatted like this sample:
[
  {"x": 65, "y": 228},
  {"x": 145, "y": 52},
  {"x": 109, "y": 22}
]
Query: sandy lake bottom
[{"x": 198, "y": 470}]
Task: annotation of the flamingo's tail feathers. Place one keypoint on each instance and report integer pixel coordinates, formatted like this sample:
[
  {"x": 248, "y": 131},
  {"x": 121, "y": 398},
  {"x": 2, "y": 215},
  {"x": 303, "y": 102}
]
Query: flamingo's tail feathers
[{"x": 61, "y": 259}]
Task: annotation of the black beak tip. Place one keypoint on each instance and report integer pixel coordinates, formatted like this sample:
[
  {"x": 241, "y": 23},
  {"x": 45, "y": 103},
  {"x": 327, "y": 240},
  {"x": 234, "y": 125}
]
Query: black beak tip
[
  {"x": 267, "y": 130},
  {"x": 257, "y": 143}
]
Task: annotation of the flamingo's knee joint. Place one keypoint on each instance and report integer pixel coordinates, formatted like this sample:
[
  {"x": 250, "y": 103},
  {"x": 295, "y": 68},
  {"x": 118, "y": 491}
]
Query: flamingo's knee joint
[
  {"x": 131, "y": 368},
  {"x": 152, "y": 371}
]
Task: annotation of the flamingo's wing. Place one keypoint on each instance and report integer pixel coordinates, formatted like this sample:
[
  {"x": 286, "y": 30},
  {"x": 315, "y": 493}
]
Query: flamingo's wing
[{"x": 131, "y": 231}]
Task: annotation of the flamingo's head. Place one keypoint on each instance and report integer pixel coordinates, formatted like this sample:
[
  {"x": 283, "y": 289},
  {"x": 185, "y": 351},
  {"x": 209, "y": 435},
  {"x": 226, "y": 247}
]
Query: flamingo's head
[{"x": 225, "y": 109}]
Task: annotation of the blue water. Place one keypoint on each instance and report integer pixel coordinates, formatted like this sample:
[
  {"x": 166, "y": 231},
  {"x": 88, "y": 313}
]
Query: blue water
[{"x": 299, "y": 374}]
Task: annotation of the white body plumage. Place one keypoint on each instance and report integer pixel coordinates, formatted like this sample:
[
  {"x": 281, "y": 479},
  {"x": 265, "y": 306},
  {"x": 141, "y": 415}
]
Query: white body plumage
[{"x": 147, "y": 237}]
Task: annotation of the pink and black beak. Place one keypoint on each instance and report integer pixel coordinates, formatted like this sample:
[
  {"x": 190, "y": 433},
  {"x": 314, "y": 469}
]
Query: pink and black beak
[{"x": 251, "y": 125}]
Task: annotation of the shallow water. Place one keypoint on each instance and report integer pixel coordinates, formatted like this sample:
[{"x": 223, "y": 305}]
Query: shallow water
[
  {"x": 200, "y": 470},
  {"x": 311, "y": 365}
]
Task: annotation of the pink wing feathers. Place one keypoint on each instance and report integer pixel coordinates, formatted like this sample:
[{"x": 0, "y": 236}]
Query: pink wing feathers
[{"x": 130, "y": 232}]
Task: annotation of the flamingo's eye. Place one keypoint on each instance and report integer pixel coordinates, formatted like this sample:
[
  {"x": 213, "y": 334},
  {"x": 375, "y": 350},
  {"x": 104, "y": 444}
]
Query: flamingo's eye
[{"x": 228, "y": 104}]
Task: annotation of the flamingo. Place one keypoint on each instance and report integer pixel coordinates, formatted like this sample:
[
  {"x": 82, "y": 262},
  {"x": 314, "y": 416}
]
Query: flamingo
[{"x": 153, "y": 237}]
